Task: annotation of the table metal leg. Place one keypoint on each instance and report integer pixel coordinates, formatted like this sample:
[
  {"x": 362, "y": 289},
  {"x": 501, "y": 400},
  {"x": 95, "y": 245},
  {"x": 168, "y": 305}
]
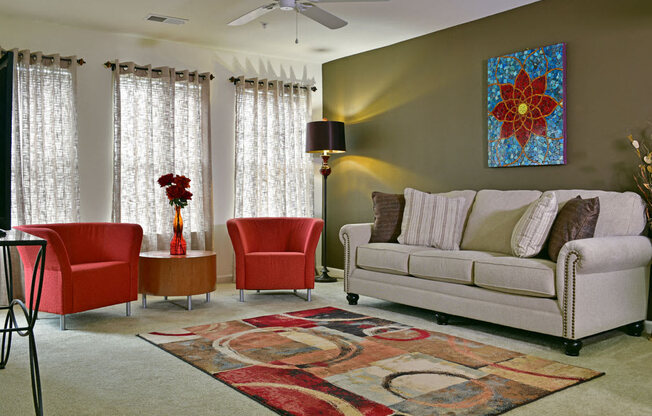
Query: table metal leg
[
  {"x": 6, "y": 341},
  {"x": 189, "y": 303},
  {"x": 35, "y": 375},
  {"x": 144, "y": 301}
]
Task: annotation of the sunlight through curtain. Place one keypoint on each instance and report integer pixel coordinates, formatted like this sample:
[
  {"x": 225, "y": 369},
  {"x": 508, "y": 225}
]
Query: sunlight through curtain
[{"x": 273, "y": 173}]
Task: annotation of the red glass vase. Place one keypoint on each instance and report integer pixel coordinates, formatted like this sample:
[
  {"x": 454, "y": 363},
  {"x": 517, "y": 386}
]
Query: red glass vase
[{"x": 178, "y": 244}]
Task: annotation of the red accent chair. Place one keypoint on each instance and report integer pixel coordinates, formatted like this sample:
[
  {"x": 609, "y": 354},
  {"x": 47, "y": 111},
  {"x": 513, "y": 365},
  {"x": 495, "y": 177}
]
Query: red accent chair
[
  {"x": 274, "y": 253},
  {"x": 87, "y": 265}
]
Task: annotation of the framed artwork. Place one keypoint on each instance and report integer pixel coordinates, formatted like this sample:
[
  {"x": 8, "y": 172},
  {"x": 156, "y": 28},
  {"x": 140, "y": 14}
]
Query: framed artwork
[{"x": 526, "y": 99}]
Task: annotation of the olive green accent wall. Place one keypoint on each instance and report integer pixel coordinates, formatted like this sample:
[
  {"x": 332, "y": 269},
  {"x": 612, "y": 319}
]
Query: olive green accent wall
[{"x": 416, "y": 112}]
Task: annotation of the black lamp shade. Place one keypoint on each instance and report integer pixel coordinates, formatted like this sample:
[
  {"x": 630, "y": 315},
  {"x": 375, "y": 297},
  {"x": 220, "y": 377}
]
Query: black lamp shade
[{"x": 325, "y": 136}]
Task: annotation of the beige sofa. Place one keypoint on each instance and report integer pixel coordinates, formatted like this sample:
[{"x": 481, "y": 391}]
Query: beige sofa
[{"x": 597, "y": 284}]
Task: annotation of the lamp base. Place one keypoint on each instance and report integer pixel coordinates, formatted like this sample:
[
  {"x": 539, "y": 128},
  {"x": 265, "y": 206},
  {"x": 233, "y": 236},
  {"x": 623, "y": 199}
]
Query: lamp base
[{"x": 324, "y": 277}]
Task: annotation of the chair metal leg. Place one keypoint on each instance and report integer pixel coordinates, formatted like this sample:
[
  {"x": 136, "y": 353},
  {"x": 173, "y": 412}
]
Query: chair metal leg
[
  {"x": 295, "y": 291},
  {"x": 241, "y": 295},
  {"x": 144, "y": 301},
  {"x": 208, "y": 297},
  {"x": 309, "y": 297},
  {"x": 165, "y": 298},
  {"x": 62, "y": 322},
  {"x": 258, "y": 291},
  {"x": 128, "y": 308},
  {"x": 189, "y": 303}
]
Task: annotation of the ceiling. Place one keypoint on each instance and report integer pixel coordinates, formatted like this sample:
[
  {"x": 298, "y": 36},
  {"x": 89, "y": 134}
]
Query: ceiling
[{"x": 371, "y": 24}]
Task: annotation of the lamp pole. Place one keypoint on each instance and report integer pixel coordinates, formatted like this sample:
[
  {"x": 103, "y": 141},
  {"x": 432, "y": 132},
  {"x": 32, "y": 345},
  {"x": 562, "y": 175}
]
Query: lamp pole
[
  {"x": 325, "y": 170},
  {"x": 325, "y": 137}
]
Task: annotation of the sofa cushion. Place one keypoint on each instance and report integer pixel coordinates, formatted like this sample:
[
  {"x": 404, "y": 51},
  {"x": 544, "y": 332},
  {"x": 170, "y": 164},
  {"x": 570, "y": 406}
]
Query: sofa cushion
[
  {"x": 388, "y": 214},
  {"x": 531, "y": 231},
  {"x": 576, "y": 221},
  {"x": 432, "y": 220},
  {"x": 531, "y": 277},
  {"x": 621, "y": 213},
  {"x": 493, "y": 217},
  {"x": 385, "y": 257},
  {"x": 446, "y": 265}
]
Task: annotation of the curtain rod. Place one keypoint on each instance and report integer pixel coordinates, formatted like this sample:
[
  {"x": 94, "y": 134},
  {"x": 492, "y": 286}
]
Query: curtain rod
[
  {"x": 109, "y": 64},
  {"x": 79, "y": 61},
  {"x": 235, "y": 80}
]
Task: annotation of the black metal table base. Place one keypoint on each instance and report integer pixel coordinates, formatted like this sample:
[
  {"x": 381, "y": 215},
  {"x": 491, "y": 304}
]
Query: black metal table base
[{"x": 30, "y": 311}]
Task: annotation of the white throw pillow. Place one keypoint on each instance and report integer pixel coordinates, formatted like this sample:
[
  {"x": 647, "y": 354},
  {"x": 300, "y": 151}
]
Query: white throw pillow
[
  {"x": 432, "y": 220},
  {"x": 531, "y": 231}
]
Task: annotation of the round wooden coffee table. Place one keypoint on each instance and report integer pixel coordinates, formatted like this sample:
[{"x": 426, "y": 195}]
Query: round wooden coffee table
[{"x": 163, "y": 274}]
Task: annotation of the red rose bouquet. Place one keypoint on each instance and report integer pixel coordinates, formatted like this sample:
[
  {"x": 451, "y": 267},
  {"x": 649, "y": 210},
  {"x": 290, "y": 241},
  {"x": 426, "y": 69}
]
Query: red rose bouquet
[{"x": 176, "y": 189}]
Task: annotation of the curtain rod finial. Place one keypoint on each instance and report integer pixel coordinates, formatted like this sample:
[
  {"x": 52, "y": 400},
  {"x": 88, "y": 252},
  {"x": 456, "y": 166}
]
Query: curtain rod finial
[
  {"x": 81, "y": 61},
  {"x": 212, "y": 77},
  {"x": 107, "y": 64}
]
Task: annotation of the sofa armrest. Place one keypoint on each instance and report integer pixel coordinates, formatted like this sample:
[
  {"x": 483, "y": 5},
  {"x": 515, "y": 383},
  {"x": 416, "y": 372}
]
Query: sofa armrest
[
  {"x": 352, "y": 236},
  {"x": 602, "y": 283},
  {"x": 607, "y": 254}
]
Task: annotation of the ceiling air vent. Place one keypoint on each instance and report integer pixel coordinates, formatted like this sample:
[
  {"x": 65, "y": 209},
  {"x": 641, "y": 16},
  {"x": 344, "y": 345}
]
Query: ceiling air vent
[{"x": 165, "y": 19}]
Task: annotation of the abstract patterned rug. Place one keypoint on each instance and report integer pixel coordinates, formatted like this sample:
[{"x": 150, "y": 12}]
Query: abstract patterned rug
[{"x": 329, "y": 361}]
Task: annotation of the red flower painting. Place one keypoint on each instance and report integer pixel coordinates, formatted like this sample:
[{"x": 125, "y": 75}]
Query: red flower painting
[{"x": 524, "y": 108}]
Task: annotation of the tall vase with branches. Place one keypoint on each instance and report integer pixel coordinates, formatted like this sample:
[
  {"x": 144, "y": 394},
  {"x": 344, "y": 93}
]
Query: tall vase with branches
[{"x": 643, "y": 175}]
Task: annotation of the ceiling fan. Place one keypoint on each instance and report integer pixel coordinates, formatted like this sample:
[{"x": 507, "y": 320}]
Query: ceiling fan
[{"x": 306, "y": 8}]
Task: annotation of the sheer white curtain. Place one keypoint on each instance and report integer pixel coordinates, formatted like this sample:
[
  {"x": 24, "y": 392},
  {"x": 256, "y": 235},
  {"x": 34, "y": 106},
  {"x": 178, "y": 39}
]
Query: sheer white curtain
[
  {"x": 273, "y": 173},
  {"x": 44, "y": 170},
  {"x": 161, "y": 125},
  {"x": 45, "y": 175}
]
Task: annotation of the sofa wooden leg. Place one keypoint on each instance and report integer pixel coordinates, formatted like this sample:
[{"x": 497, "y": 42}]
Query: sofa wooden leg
[
  {"x": 352, "y": 298},
  {"x": 572, "y": 347},
  {"x": 441, "y": 318},
  {"x": 635, "y": 329}
]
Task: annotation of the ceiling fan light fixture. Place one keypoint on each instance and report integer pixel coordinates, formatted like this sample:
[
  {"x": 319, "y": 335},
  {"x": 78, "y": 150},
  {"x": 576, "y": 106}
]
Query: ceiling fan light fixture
[{"x": 286, "y": 4}]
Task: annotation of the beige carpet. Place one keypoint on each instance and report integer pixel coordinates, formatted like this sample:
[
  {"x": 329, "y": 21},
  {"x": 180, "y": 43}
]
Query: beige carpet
[{"x": 99, "y": 366}]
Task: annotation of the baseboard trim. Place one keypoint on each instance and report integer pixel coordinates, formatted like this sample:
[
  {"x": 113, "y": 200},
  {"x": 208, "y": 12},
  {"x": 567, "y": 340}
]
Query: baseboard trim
[
  {"x": 648, "y": 327},
  {"x": 225, "y": 278}
]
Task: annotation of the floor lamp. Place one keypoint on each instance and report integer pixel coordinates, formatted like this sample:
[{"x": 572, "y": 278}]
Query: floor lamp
[{"x": 325, "y": 137}]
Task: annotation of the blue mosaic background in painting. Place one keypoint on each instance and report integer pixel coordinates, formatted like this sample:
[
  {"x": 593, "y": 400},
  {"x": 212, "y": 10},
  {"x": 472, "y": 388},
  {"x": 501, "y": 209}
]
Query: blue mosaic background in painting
[{"x": 538, "y": 150}]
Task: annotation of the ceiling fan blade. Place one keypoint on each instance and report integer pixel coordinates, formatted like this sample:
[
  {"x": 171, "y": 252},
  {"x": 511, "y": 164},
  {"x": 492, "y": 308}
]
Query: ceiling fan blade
[
  {"x": 321, "y": 16},
  {"x": 346, "y": 1},
  {"x": 254, "y": 14}
]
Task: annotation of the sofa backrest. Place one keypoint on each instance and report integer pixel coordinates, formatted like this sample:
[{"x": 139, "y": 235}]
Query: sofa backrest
[
  {"x": 469, "y": 197},
  {"x": 493, "y": 216},
  {"x": 621, "y": 213}
]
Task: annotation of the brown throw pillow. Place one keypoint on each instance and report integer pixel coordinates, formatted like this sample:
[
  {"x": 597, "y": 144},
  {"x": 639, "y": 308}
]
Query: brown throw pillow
[
  {"x": 575, "y": 221},
  {"x": 388, "y": 213}
]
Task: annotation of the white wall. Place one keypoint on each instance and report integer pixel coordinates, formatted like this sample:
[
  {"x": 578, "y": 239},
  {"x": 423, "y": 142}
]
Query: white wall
[{"x": 95, "y": 102}]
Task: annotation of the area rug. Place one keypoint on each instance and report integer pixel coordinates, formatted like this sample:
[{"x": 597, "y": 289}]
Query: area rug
[{"x": 330, "y": 361}]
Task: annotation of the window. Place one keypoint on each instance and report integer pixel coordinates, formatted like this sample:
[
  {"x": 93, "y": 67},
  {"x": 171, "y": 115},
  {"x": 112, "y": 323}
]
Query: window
[
  {"x": 274, "y": 174},
  {"x": 161, "y": 126},
  {"x": 45, "y": 176}
]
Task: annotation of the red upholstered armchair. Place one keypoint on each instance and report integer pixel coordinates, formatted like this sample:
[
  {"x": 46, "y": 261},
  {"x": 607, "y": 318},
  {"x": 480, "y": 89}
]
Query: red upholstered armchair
[
  {"x": 274, "y": 253},
  {"x": 87, "y": 265}
]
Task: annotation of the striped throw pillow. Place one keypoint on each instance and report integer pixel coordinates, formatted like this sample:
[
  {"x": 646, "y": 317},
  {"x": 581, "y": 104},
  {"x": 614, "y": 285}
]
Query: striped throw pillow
[
  {"x": 432, "y": 220},
  {"x": 531, "y": 231}
]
